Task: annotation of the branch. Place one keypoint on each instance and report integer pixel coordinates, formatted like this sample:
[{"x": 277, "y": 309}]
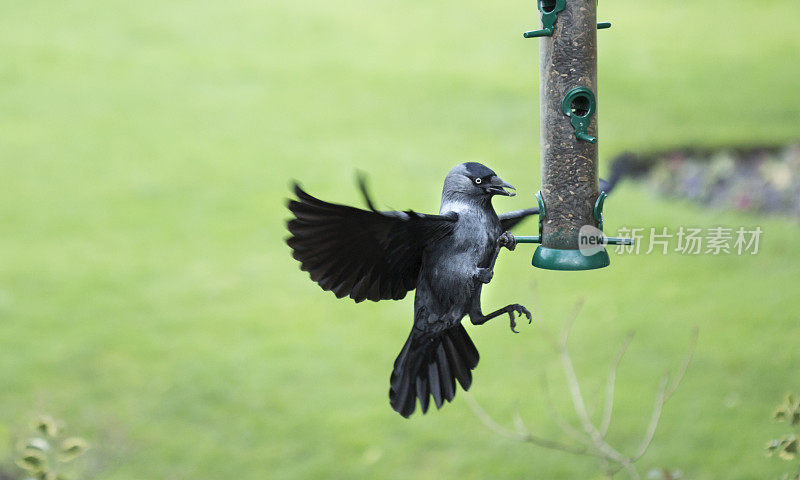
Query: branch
[
  {"x": 525, "y": 435},
  {"x": 487, "y": 420},
  {"x": 595, "y": 444},
  {"x": 577, "y": 398},
  {"x": 685, "y": 365},
  {"x": 569, "y": 371},
  {"x": 665, "y": 394},
  {"x": 654, "y": 419},
  {"x": 565, "y": 426},
  {"x": 610, "y": 385}
]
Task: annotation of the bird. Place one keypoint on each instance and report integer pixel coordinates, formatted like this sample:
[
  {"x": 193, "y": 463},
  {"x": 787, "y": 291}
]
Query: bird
[{"x": 446, "y": 258}]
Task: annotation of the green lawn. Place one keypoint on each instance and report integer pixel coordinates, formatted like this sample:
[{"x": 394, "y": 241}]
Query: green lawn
[{"x": 147, "y": 298}]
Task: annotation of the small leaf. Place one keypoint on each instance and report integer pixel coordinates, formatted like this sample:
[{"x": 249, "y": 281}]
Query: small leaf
[
  {"x": 780, "y": 414},
  {"x": 72, "y": 448},
  {"x": 789, "y": 450},
  {"x": 46, "y": 426},
  {"x": 32, "y": 461}
]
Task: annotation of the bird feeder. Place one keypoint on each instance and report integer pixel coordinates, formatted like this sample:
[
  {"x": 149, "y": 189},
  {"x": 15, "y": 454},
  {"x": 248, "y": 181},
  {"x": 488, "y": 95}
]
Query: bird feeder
[{"x": 570, "y": 201}]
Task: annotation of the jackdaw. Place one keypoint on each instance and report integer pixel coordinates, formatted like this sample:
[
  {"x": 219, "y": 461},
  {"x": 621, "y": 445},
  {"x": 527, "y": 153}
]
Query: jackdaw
[{"x": 381, "y": 255}]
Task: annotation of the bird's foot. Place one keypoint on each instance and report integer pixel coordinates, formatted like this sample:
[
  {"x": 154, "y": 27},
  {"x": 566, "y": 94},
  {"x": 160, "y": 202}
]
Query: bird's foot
[
  {"x": 484, "y": 275},
  {"x": 507, "y": 240},
  {"x": 519, "y": 310}
]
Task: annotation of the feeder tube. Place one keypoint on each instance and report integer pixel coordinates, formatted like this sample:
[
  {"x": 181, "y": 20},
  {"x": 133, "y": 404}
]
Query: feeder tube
[{"x": 568, "y": 60}]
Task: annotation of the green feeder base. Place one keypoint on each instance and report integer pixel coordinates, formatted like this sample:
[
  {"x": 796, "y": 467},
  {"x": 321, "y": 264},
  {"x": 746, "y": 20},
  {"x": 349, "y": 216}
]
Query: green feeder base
[{"x": 555, "y": 259}]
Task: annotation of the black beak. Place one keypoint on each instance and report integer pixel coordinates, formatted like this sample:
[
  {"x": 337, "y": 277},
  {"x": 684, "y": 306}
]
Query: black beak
[{"x": 498, "y": 187}]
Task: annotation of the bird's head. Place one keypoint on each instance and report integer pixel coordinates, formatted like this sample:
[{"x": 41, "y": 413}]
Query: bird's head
[{"x": 474, "y": 181}]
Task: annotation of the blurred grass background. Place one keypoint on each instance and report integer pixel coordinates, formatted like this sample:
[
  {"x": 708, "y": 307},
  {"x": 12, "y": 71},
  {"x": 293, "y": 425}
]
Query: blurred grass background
[{"x": 147, "y": 298}]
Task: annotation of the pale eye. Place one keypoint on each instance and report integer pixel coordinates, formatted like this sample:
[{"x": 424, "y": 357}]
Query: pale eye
[{"x": 478, "y": 181}]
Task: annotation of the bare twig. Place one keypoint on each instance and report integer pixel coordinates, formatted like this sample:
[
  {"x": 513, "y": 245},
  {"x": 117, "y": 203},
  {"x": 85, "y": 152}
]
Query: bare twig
[
  {"x": 665, "y": 393},
  {"x": 654, "y": 418},
  {"x": 593, "y": 438},
  {"x": 569, "y": 371},
  {"x": 577, "y": 398},
  {"x": 519, "y": 423},
  {"x": 576, "y": 310},
  {"x": 685, "y": 364},
  {"x": 490, "y": 423},
  {"x": 608, "y": 404},
  {"x": 565, "y": 426},
  {"x": 525, "y": 436}
]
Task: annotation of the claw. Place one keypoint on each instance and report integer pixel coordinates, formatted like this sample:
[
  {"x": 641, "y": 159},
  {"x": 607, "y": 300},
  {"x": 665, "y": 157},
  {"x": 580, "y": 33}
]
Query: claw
[
  {"x": 519, "y": 309},
  {"x": 513, "y": 323},
  {"x": 527, "y": 313}
]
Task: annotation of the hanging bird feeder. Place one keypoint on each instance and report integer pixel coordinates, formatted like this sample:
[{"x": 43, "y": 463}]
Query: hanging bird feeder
[{"x": 570, "y": 201}]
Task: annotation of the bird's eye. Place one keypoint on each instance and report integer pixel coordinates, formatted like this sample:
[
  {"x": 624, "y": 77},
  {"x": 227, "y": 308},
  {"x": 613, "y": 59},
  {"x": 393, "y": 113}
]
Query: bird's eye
[{"x": 478, "y": 181}]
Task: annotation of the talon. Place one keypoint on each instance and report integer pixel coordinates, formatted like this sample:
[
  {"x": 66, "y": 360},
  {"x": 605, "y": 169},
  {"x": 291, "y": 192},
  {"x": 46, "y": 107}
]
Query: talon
[
  {"x": 524, "y": 311},
  {"x": 513, "y": 323}
]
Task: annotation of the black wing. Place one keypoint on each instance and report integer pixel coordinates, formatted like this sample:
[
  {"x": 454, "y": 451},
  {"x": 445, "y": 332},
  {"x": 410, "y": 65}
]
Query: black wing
[
  {"x": 366, "y": 254},
  {"x": 510, "y": 220}
]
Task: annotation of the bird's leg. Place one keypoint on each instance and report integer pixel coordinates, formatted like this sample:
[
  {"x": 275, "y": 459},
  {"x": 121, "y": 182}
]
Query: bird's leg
[
  {"x": 505, "y": 240},
  {"x": 477, "y": 318},
  {"x": 485, "y": 274}
]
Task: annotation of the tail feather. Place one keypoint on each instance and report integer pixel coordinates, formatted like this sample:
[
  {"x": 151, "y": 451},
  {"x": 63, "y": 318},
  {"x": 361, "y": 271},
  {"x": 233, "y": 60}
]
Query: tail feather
[
  {"x": 429, "y": 365},
  {"x": 446, "y": 379},
  {"x": 436, "y": 388},
  {"x": 461, "y": 370},
  {"x": 467, "y": 348},
  {"x": 423, "y": 393}
]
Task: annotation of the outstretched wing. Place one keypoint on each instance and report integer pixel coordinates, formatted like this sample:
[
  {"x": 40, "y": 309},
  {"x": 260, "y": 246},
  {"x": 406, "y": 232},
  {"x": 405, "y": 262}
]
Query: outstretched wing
[
  {"x": 510, "y": 220},
  {"x": 366, "y": 254}
]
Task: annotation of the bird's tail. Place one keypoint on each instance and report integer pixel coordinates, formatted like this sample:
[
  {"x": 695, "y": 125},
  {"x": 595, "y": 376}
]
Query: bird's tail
[{"x": 429, "y": 365}]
